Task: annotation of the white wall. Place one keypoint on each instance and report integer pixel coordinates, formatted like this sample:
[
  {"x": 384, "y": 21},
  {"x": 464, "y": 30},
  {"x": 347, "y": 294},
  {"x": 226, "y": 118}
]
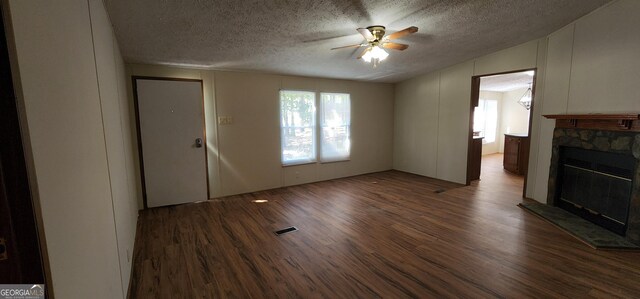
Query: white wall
[
  {"x": 447, "y": 94},
  {"x": 590, "y": 66},
  {"x": 245, "y": 155},
  {"x": 593, "y": 66},
  {"x": 71, "y": 78},
  {"x": 514, "y": 118},
  {"x": 453, "y": 122},
  {"x": 416, "y": 125},
  {"x": 115, "y": 118}
]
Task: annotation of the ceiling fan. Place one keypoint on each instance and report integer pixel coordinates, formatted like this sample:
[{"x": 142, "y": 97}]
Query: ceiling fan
[{"x": 376, "y": 40}]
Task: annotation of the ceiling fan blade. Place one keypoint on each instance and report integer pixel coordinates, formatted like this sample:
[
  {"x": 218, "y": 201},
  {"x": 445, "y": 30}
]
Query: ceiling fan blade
[
  {"x": 395, "y": 46},
  {"x": 349, "y": 46},
  {"x": 401, "y": 33},
  {"x": 363, "y": 52},
  {"x": 366, "y": 33}
]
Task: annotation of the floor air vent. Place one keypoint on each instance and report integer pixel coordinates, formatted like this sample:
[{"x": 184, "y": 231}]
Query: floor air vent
[
  {"x": 285, "y": 230},
  {"x": 439, "y": 191}
]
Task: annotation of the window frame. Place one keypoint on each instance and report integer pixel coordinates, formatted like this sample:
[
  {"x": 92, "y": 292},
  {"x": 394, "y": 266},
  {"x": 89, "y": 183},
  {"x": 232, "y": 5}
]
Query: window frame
[
  {"x": 483, "y": 103},
  {"x": 321, "y": 126},
  {"x": 314, "y": 158}
]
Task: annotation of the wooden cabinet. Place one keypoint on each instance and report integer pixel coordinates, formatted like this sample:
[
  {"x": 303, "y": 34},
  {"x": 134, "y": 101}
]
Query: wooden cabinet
[
  {"x": 476, "y": 159},
  {"x": 516, "y": 154}
]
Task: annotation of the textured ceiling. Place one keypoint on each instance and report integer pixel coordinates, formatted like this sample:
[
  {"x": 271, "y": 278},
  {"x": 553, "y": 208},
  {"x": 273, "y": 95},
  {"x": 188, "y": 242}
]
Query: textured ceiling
[
  {"x": 506, "y": 82},
  {"x": 294, "y": 36}
]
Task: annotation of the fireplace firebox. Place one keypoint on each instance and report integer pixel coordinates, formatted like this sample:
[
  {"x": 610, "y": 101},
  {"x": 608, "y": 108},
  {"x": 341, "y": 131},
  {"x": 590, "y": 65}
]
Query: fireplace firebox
[
  {"x": 596, "y": 186},
  {"x": 595, "y": 170}
]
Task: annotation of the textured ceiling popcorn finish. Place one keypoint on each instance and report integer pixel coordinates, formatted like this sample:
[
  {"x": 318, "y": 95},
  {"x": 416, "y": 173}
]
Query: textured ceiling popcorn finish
[
  {"x": 294, "y": 37},
  {"x": 506, "y": 82}
]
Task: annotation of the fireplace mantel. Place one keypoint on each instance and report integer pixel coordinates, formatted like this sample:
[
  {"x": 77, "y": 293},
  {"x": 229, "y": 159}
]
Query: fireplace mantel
[{"x": 629, "y": 122}]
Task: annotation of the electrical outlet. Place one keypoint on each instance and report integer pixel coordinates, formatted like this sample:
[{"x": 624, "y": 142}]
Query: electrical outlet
[{"x": 229, "y": 120}]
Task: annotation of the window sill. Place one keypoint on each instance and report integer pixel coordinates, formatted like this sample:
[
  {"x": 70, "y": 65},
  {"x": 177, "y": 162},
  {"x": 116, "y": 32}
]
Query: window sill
[
  {"x": 335, "y": 161},
  {"x": 314, "y": 162},
  {"x": 299, "y": 163}
]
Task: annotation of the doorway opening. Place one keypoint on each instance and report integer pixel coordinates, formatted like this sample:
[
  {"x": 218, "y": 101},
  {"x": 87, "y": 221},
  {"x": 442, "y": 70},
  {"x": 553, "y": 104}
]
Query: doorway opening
[{"x": 500, "y": 126}]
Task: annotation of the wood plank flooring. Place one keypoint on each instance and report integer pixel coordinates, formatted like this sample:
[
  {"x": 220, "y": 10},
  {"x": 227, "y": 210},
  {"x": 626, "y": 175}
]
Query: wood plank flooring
[{"x": 386, "y": 234}]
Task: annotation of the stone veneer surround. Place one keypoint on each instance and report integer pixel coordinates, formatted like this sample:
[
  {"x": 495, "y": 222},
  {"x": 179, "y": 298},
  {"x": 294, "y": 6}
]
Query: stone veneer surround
[{"x": 621, "y": 142}]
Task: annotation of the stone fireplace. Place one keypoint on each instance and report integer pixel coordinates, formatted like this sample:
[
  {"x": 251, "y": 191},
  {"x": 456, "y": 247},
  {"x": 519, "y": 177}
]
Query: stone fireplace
[{"x": 595, "y": 170}]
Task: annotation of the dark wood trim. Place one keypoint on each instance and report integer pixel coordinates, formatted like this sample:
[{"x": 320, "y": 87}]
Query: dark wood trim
[
  {"x": 527, "y": 150},
  {"x": 475, "y": 99},
  {"x": 134, "y": 86},
  {"x": 204, "y": 138},
  {"x": 629, "y": 122}
]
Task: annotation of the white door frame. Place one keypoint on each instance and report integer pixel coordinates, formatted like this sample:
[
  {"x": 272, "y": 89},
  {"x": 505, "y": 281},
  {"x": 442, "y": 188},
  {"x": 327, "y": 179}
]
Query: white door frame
[{"x": 139, "y": 136}]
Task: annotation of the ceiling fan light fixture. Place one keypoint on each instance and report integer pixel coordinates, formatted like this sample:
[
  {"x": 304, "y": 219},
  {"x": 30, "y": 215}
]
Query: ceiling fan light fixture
[
  {"x": 375, "y": 54},
  {"x": 376, "y": 40}
]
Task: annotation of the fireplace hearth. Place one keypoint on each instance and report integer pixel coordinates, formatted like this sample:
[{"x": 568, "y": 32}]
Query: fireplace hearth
[{"x": 595, "y": 170}]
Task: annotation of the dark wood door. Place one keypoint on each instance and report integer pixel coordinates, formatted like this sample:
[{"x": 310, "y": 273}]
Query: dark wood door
[{"x": 20, "y": 257}]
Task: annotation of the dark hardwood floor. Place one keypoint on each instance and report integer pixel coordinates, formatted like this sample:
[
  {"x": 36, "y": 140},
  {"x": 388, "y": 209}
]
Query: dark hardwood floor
[{"x": 386, "y": 234}]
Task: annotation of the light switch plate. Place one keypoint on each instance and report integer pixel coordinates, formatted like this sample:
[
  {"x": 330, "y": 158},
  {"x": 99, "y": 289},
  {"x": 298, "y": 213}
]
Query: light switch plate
[{"x": 225, "y": 120}]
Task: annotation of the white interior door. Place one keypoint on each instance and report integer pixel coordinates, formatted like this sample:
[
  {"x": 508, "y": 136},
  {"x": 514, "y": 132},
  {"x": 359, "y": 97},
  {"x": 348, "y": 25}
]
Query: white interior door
[{"x": 172, "y": 140}]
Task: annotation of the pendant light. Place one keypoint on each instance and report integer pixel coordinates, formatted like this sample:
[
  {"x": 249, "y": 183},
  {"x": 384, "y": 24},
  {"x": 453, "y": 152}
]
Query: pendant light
[{"x": 525, "y": 100}]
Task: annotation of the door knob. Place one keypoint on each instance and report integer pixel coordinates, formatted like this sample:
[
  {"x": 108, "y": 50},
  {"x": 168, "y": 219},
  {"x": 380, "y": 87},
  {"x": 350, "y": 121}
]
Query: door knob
[{"x": 198, "y": 142}]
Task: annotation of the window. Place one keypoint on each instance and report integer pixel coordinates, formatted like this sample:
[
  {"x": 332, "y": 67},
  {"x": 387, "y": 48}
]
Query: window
[
  {"x": 298, "y": 126},
  {"x": 485, "y": 120},
  {"x": 335, "y": 123}
]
